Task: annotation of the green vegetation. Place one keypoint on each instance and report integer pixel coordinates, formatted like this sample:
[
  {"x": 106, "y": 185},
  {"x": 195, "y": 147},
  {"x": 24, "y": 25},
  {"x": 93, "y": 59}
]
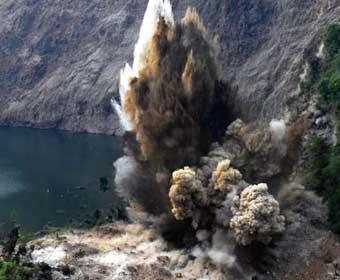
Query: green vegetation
[
  {"x": 318, "y": 159},
  {"x": 313, "y": 73},
  {"x": 12, "y": 271},
  {"x": 12, "y": 267},
  {"x": 324, "y": 76},
  {"x": 332, "y": 40},
  {"x": 329, "y": 84},
  {"x": 324, "y": 161},
  {"x": 25, "y": 238},
  {"x": 324, "y": 177}
]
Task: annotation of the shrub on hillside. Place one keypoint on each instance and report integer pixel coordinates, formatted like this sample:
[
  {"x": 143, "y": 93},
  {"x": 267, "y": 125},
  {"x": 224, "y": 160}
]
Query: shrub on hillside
[
  {"x": 332, "y": 40},
  {"x": 329, "y": 88},
  {"x": 324, "y": 177}
]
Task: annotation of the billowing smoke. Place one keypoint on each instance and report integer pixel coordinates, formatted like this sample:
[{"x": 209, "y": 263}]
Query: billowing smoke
[
  {"x": 256, "y": 216},
  {"x": 225, "y": 177},
  {"x": 220, "y": 250},
  {"x": 186, "y": 194},
  {"x": 172, "y": 103},
  {"x": 169, "y": 94},
  {"x": 134, "y": 182},
  {"x": 278, "y": 128},
  {"x": 215, "y": 196},
  {"x": 173, "y": 106}
]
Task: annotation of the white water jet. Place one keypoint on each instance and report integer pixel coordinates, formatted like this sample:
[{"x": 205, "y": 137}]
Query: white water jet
[
  {"x": 125, "y": 77},
  {"x": 155, "y": 9},
  {"x": 125, "y": 124}
]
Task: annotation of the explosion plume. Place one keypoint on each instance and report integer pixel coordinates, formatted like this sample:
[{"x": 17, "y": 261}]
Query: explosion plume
[
  {"x": 256, "y": 215},
  {"x": 173, "y": 106},
  {"x": 215, "y": 197},
  {"x": 167, "y": 97},
  {"x": 185, "y": 192}
]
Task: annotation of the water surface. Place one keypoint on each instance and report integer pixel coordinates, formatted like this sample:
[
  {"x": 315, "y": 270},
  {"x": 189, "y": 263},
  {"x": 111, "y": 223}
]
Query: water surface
[{"x": 48, "y": 177}]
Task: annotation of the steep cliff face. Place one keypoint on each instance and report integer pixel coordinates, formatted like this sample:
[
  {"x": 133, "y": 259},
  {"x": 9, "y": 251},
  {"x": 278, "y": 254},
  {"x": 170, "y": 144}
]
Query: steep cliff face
[
  {"x": 60, "y": 59},
  {"x": 263, "y": 44}
]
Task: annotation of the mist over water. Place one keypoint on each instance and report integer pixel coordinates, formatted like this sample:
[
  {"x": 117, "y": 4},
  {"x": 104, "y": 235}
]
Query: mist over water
[
  {"x": 49, "y": 177},
  {"x": 10, "y": 182}
]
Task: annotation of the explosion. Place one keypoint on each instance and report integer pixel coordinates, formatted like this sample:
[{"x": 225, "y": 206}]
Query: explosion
[
  {"x": 170, "y": 93},
  {"x": 173, "y": 106},
  {"x": 225, "y": 177},
  {"x": 185, "y": 192},
  {"x": 215, "y": 196},
  {"x": 256, "y": 215}
]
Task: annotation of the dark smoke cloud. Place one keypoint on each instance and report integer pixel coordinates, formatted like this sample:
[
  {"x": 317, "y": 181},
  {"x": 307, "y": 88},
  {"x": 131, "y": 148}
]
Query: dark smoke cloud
[
  {"x": 174, "y": 105},
  {"x": 171, "y": 101}
]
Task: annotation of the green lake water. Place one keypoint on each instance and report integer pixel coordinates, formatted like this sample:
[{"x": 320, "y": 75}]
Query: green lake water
[{"x": 50, "y": 177}]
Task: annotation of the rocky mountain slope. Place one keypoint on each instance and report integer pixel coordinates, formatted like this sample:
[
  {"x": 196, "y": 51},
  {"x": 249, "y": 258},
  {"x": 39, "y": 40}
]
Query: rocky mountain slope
[{"x": 60, "y": 60}]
